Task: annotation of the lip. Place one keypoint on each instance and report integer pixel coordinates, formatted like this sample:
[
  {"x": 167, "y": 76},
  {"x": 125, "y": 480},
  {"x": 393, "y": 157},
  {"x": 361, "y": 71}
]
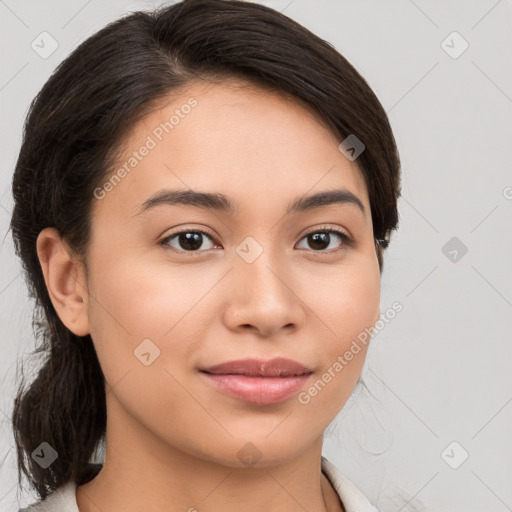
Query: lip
[
  {"x": 277, "y": 367},
  {"x": 258, "y": 381}
]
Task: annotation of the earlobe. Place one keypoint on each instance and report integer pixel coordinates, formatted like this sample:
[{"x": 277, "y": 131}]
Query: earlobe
[{"x": 65, "y": 281}]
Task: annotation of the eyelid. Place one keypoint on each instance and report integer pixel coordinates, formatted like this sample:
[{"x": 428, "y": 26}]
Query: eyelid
[{"x": 327, "y": 227}]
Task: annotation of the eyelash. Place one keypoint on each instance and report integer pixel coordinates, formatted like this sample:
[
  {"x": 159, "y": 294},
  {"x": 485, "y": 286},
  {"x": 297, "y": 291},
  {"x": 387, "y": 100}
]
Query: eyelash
[{"x": 346, "y": 239}]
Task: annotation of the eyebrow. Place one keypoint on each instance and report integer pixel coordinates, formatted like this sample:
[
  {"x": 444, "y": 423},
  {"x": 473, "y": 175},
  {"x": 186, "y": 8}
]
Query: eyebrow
[{"x": 221, "y": 203}]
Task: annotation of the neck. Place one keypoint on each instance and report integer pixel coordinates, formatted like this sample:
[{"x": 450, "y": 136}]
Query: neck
[{"x": 143, "y": 472}]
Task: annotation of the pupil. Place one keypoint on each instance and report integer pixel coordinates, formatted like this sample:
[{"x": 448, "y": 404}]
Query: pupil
[
  {"x": 190, "y": 241},
  {"x": 319, "y": 238}
]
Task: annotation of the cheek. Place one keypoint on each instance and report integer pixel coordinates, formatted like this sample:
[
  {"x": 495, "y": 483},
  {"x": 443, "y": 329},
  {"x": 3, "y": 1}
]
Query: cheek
[
  {"x": 135, "y": 298},
  {"x": 347, "y": 301},
  {"x": 348, "y": 304},
  {"x": 142, "y": 329},
  {"x": 132, "y": 303},
  {"x": 125, "y": 308}
]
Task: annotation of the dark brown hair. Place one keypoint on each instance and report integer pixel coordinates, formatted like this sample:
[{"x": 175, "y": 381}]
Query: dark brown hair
[{"x": 76, "y": 124}]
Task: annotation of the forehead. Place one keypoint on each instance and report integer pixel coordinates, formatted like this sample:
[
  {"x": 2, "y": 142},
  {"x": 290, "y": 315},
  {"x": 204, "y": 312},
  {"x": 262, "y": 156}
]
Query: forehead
[{"x": 256, "y": 146}]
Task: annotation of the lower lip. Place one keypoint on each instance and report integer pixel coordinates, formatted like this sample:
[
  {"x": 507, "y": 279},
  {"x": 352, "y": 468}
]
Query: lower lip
[{"x": 258, "y": 390}]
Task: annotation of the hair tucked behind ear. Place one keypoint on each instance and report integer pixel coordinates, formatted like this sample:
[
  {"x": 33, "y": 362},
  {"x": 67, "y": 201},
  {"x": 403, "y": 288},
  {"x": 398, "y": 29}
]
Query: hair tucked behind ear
[{"x": 76, "y": 124}]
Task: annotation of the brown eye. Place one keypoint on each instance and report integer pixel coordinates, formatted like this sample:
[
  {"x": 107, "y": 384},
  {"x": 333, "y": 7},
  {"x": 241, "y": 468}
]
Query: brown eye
[
  {"x": 188, "y": 241},
  {"x": 324, "y": 239}
]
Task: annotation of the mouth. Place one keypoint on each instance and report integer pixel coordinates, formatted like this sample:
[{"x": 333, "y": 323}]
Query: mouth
[
  {"x": 278, "y": 367},
  {"x": 256, "y": 381}
]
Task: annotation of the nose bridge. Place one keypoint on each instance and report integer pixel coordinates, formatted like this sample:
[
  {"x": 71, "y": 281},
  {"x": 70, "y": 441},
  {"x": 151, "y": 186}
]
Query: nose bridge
[
  {"x": 264, "y": 296},
  {"x": 259, "y": 267}
]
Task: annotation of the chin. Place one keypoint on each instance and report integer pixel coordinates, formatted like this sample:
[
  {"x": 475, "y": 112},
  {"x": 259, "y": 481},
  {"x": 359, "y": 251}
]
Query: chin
[{"x": 258, "y": 449}]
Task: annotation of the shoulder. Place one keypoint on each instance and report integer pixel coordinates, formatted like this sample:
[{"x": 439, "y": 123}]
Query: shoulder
[
  {"x": 62, "y": 499},
  {"x": 350, "y": 495}
]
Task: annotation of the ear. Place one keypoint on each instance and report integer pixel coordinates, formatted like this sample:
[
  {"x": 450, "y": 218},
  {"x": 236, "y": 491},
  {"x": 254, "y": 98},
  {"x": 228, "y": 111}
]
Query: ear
[{"x": 65, "y": 281}]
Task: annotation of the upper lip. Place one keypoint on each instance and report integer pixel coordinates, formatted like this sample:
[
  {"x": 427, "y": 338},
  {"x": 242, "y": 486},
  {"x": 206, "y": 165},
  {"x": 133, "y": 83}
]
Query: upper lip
[{"x": 278, "y": 367}]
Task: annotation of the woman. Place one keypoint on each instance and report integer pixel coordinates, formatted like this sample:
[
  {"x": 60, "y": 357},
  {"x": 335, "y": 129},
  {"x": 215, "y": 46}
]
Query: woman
[{"x": 202, "y": 199}]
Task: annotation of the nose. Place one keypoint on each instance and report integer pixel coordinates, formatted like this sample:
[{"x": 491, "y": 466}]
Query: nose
[{"x": 265, "y": 297}]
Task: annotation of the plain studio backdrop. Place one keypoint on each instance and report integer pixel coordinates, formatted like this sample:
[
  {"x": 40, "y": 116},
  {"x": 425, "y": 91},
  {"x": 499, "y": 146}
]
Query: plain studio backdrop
[{"x": 434, "y": 433}]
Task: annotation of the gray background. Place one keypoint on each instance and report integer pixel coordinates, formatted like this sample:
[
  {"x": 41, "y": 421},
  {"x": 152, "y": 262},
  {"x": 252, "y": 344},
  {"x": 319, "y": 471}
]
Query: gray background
[{"x": 440, "y": 371}]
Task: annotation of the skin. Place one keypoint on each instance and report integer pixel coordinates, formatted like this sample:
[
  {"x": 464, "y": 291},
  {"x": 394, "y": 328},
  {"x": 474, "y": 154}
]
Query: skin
[{"x": 171, "y": 437}]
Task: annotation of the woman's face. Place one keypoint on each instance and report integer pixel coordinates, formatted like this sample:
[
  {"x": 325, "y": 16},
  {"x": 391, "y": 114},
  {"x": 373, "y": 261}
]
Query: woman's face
[{"x": 163, "y": 307}]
